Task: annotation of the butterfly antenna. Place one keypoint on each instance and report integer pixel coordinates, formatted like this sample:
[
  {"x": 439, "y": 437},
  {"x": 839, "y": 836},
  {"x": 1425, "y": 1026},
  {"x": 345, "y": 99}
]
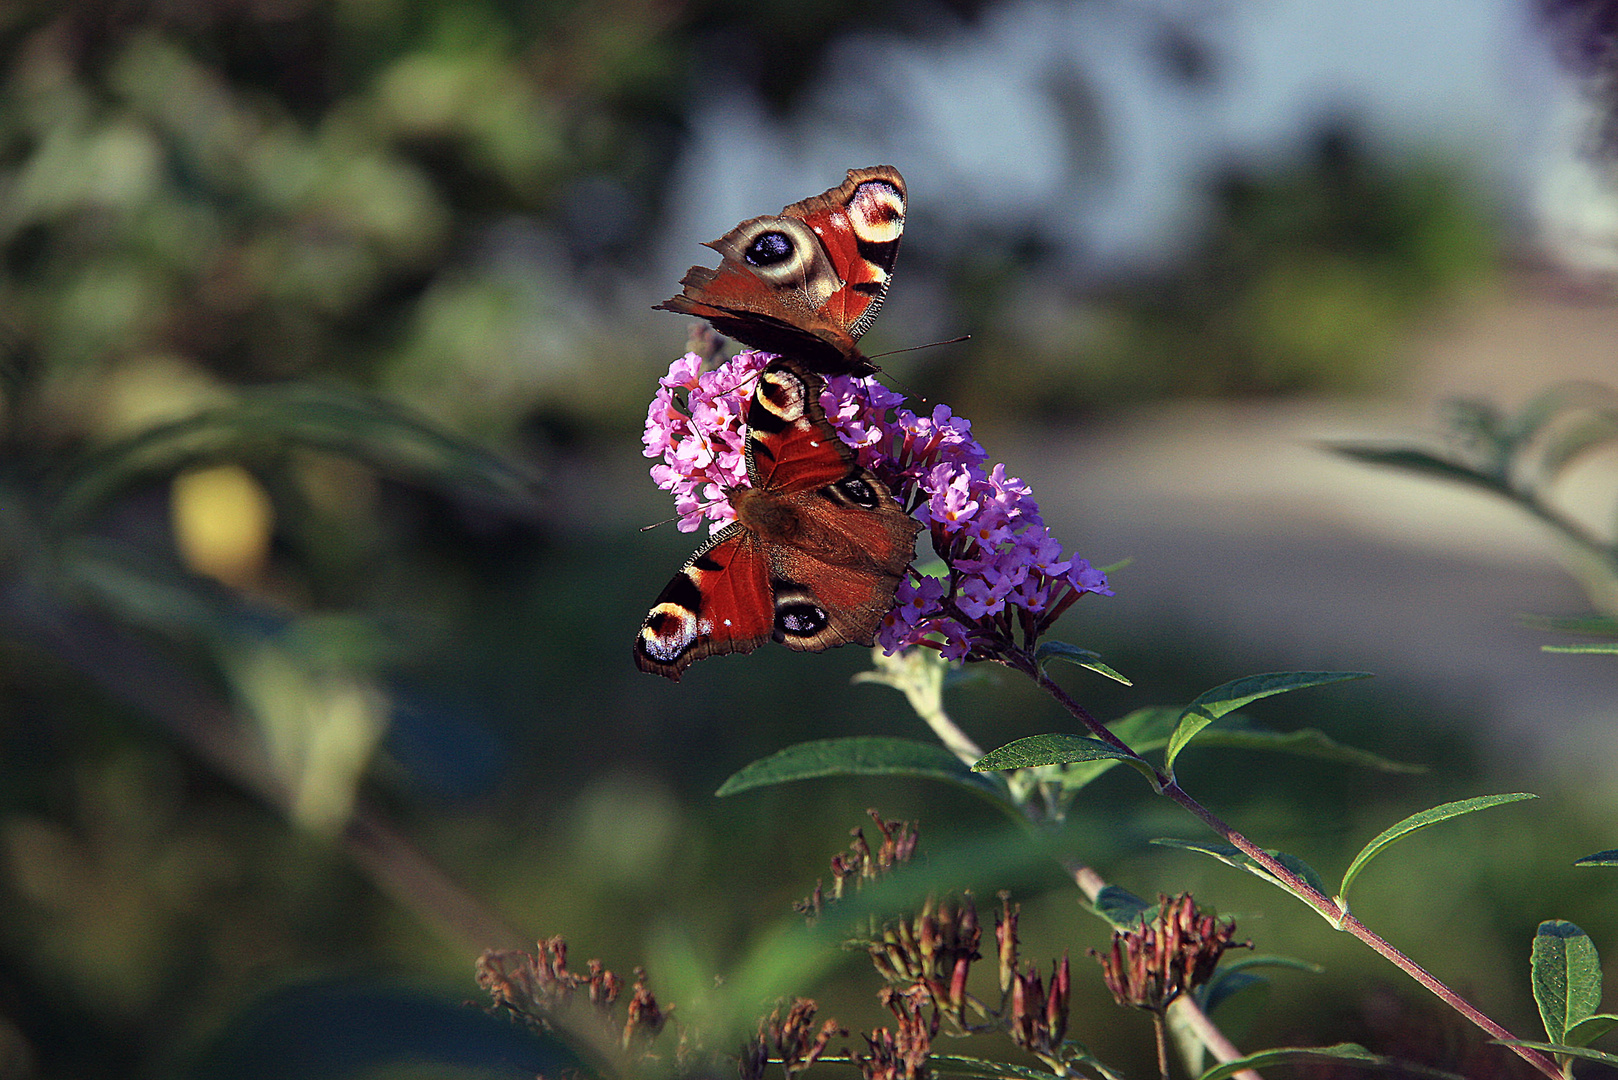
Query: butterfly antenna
[
  {"x": 913, "y": 348},
  {"x": 699, "y": 509}
]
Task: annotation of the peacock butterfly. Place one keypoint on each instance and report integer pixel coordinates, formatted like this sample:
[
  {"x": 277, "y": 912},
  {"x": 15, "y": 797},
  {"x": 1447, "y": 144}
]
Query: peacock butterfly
[
  {"x": 807, "y": 282},
  {"x": 815, "y": 553}
]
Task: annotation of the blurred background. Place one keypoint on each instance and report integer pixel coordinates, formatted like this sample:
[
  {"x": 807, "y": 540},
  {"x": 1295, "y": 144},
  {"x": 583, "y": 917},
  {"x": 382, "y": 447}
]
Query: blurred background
[{"x": 325, "y": 345}]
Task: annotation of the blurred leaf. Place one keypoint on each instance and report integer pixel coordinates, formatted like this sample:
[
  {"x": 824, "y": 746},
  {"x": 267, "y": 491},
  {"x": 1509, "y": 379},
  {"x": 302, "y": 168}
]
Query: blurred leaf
[
  {"x": 862, "y": 756},
  {"x": 1420, "y": 821},
  {"x": 1600, "y": 647},
  {"x": 1591, "y": 1028},
  {"x": 1233, "y": 976},
  {"x": 1421, "y": 462},
  {"x": 370, "y": 430},
  {"x": 1599, "y": 625},
  {"x": 1566, "y": 977},
  {"x": 1600, "y": 858},
  {"x": 1122, "y": 908},
  {"x": 1232, "y": 856},
  {"x": 1306, "y": 742},
  {"x": 1221, "y": 700},
  {"x": 1084, "y": 658}
]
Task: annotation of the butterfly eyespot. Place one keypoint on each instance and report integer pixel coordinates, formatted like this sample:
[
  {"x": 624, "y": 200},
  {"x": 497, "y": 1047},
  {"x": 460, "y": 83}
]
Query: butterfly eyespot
[
  {"x": 800, "y": 619},
  {"x": 859, "y": 492},
  {"x": 769, "y": 248}
]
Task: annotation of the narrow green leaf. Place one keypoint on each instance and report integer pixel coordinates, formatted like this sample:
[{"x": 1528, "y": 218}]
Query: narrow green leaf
[
  {"x": 1421, "y": 462},
  {"x": 1600, "y": 858},
  {"x": 369, "y": 429},
  {"x": 1306, "y": 742},
  {"x": 1420, "y": 821},
  {"x": 1142, "y": 730},
  {"x": 1292, "y": 1055},
  {"x": 1607, "y": 647},
  {"x": 1591, "y": 1028},
  {"x": 1084, "y": 658},
  {"x": 1225, "y": 699},
  {"x": 1562, "y": 1048},
  {"x": 958, "y": 1065},
  {"x": 1598, "y": 625},
  {"x": 1231, "y": 856},
  {"x": 1058, "y": 748},
  {"x": 1120, "y": 907},
  {"x": 860, "y": 756},
  {"x": 1567, "y": 977}
]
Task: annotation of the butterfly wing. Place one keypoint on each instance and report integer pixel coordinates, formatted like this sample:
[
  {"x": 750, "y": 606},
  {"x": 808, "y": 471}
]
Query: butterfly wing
[
  {"x": 806, "y": 282},
  {"x": 718, "y": 603},
  {"x": 837, "y": 542}
]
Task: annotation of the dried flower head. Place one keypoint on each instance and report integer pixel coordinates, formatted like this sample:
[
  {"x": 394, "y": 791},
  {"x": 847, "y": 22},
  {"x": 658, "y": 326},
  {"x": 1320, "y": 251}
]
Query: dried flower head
[
  {"x": 794, "y": 1041},
  {"x": 1152, "y": 964},
  {"x": 1038, "y": 1019},
  {"x": 900, "y": 1054},
  {"x": 1006, "y": 573},
  {"x": 861, "y": 864},
  {"x": 539, "y": 988},
  {"x": 932, "y": 953}
]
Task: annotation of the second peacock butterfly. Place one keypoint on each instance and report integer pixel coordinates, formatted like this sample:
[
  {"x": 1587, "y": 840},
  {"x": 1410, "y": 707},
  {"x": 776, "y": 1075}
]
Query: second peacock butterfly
[{"x": 806, "y": 282}]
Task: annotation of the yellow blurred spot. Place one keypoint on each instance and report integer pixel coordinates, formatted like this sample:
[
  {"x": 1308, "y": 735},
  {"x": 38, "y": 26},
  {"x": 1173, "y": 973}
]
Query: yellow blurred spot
[{"x": 222, "y": 520}]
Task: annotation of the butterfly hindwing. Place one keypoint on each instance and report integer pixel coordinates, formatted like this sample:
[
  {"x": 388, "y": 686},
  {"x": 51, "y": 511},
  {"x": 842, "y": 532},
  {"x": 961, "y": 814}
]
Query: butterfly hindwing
[
  {"x": 719, "y": 602},
  {"x": 817, "y": 550},
  {"x": 808, "y": 281}
]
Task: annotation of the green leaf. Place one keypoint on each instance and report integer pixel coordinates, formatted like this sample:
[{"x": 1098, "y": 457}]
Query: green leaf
[
  {"x": 1234, "y": 975},
  {"x": 1058, "y": 748},
  {"x": 1562, "y": 1048},
  {"x": 1225, "y": 699},
  {"x": 1600, "y": 858},
  {"x": 1292, "y": 1055},
  {"x": 1420, "y": 821},
  {"x": 1306, "y": 742},
  {"x": 1598, "y": 625},
  {"x": 1120, "y": 907},
  {"x": 1607, "y": 647},
  {"x": 1591, "y": 1028},
  {"x": 1142, "y": 730},
  {"x": 1084, "y": 658},
  {"x": 860, "y": 756},
  {"x": 270, "y": 419},
  {"x": 1231, "y": 856},
  {"x": 1567, "y": 977},
  {"x": 960, "y": 1065},
  {"x": 1421, "y": 462},
  {"x": 1061, "y": 748}
]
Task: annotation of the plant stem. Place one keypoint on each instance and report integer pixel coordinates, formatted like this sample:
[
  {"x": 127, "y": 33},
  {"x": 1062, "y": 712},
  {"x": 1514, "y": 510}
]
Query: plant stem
[
  {"x": 1327, "y": 908},
  {"x": 1160, "y": 1028}
]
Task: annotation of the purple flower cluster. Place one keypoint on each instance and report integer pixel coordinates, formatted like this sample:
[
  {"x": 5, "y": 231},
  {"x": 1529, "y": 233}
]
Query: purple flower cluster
[{"x": 1005, "y": 570}]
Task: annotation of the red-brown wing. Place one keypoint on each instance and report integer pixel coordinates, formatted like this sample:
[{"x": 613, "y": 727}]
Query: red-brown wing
[
  {"x": 836, "y": 584},
  {"x": 837, "y": 542},
  {"x": 720, "y": 602},
  {"x": 791, "y": 446},
  {"x": 806, "y": 282}
]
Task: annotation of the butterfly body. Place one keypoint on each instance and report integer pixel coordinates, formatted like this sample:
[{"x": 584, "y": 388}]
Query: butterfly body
[
  {"x": 814, "y": 556},
  {"x": 806, "y": 282}
]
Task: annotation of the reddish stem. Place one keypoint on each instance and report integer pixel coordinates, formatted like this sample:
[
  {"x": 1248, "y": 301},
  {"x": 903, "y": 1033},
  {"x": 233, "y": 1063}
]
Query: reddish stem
[{"x": 1328, "y": 908}]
